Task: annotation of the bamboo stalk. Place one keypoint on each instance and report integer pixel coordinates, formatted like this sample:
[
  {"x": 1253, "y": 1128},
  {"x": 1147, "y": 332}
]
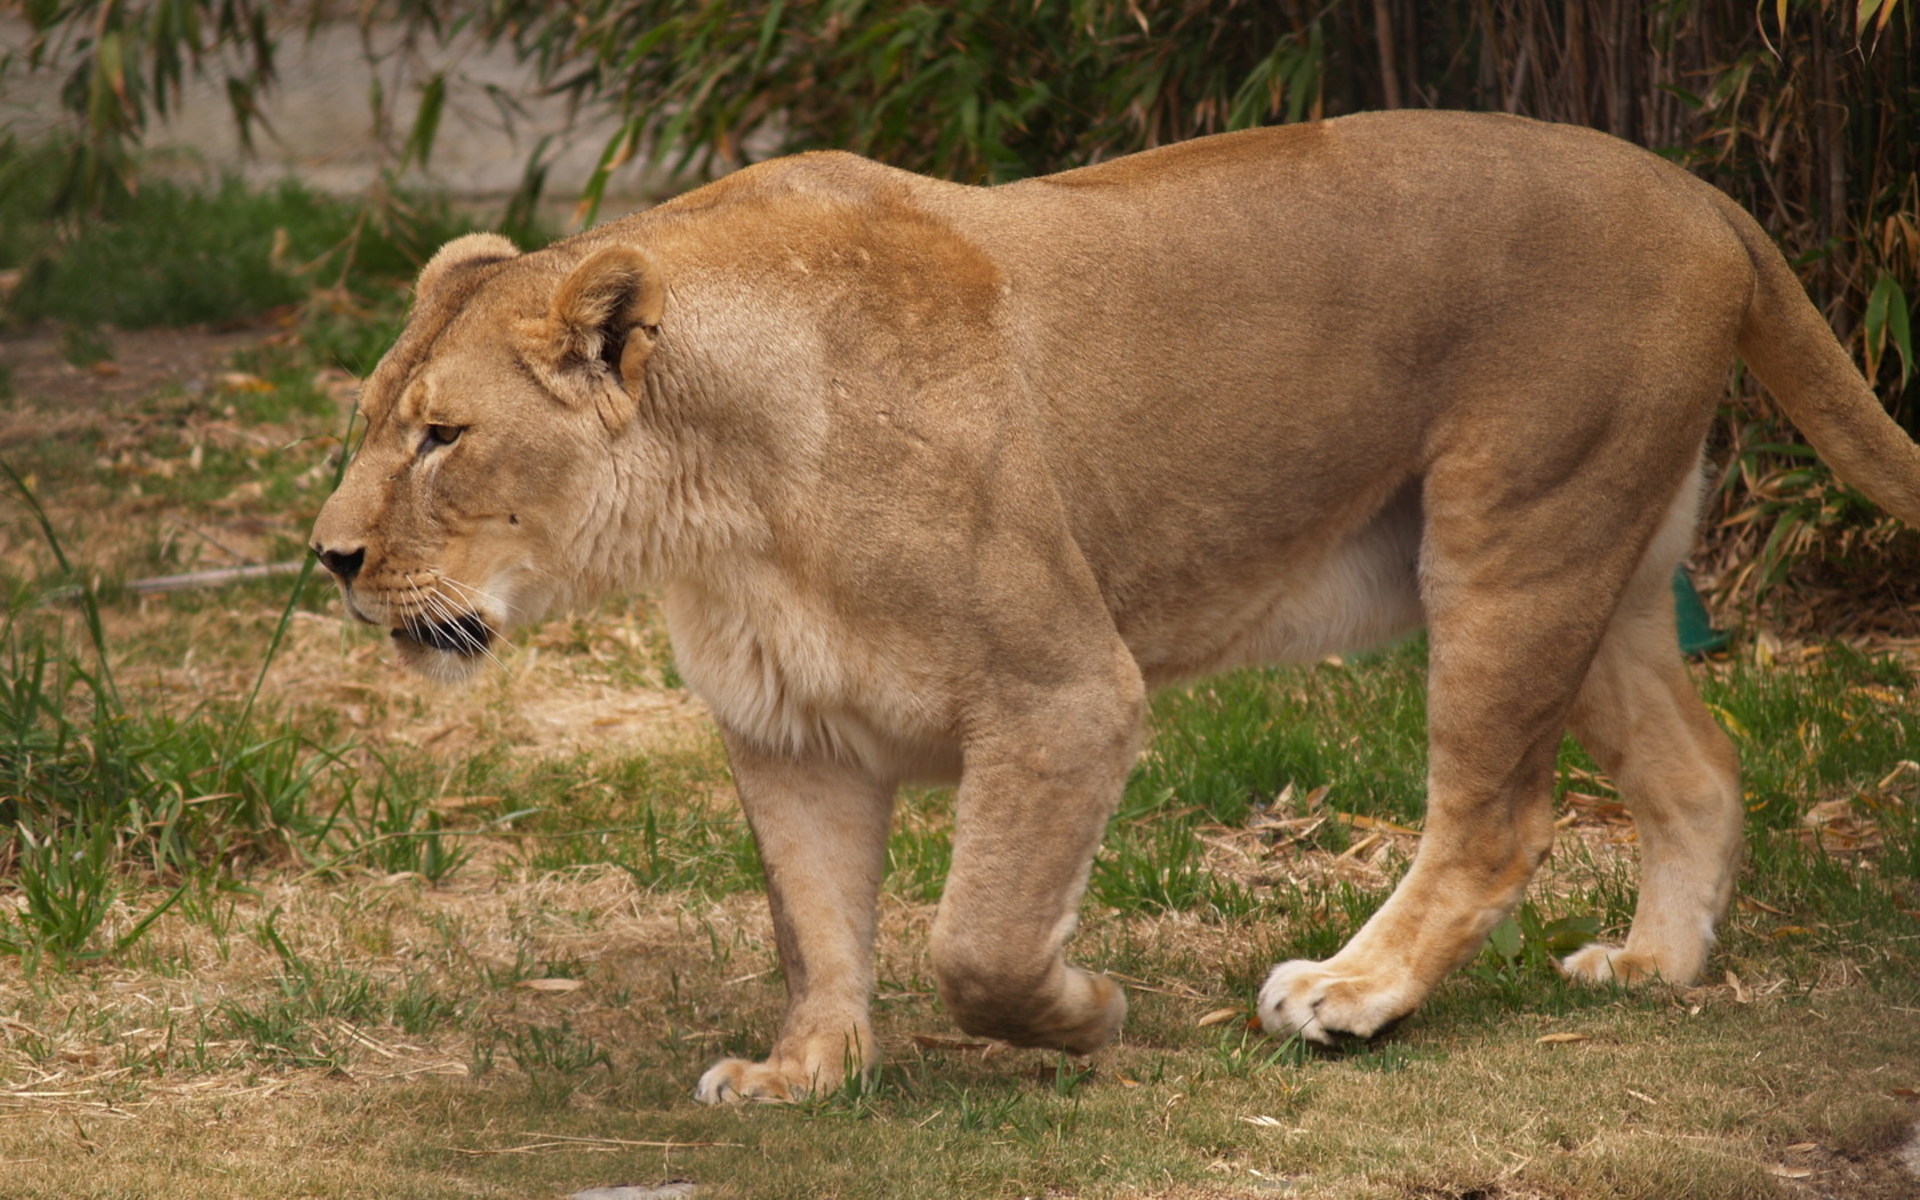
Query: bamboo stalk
[{"x": 1383, "y": 40}]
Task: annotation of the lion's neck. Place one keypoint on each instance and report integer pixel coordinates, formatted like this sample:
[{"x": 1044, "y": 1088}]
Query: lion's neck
[{"x": 678, "y": 509}]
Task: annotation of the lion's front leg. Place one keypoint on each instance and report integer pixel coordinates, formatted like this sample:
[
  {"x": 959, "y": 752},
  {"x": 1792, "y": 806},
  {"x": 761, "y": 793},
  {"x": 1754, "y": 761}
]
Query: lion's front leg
[
  {"x": 1034, "y": 799},
  {"x": 822, "y": 832}
]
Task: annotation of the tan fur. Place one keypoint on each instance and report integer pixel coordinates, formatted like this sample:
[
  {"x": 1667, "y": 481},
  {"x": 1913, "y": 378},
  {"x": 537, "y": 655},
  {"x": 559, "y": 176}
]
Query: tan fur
[{"x": 938, "y": 481}]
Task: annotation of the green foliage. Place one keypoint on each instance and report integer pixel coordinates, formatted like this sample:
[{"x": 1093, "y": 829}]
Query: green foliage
[
  {"x": 1234, "y": 741},
  {"x": 1803, "y": 110},
  {"x": 69, "y": 880},
  {"x": 1829, "y": 731},
  {"x": 920, "y": 849},
  {"x": 1160, "y": 867},
  {"x": 1888, "y": 326},
  {"x": 970, "y": 90},
  {"x": 1244, "y": 1054},
  {"x": 396, "y": 830},
  {"x": 127, "y": 63},
  {"x": 170, "y": 255},
  {"x": 556, "y": 1060},
  {"x": 84, "y": 344},
  {"x": 1782, "y": 106}
]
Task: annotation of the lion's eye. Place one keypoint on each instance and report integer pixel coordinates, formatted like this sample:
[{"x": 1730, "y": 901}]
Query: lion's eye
[{"x": 443, "y": 435}]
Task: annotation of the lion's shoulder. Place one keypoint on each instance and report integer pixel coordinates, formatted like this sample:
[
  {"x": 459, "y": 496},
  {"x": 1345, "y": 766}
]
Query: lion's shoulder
[{"x": 824, "y": 178}]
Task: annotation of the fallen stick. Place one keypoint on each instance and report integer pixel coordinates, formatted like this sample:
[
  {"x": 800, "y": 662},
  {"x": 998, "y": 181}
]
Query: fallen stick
[
  {"x": 183, "y": 583},
  {"x": 214, "y": 578}
]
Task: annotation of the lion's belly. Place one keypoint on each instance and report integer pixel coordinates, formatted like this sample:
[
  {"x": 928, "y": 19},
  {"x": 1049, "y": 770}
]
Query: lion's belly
[{"x": 1360, "y": 592}]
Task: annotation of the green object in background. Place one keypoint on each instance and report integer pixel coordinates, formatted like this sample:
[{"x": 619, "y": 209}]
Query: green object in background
[{"x": 1697, "y": 634}]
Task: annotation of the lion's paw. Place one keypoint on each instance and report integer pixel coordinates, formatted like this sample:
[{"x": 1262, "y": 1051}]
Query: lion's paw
[
  {"x": 740, "y": 1080},
  {"x": 1311, "y": 1001},
  {"x": 1598, "y": 962}
]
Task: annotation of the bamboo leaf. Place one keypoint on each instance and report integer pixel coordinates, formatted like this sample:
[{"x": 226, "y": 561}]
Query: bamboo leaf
[
  {"x": 769, "y": 27},
  {"x": 1888, "y": 320},
  {"x": 1864, "y": 15},
  {"x": 426, "y": 122}
]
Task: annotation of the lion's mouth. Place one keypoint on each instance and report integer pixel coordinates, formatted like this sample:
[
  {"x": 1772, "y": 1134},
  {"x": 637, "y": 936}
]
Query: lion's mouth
[{"x": 467, "y": 635}]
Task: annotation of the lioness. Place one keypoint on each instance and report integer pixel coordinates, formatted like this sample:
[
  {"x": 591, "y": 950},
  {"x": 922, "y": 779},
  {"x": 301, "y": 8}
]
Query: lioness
[{"x": 937, "y": 481}]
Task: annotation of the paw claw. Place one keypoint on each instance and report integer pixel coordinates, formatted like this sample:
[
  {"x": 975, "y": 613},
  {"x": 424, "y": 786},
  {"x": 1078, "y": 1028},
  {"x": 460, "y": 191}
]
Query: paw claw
[
  {"x": 737, "y": 1081},
  {"x": 1598, "y": 962},
  {"x": 1317, "y": 1004}
]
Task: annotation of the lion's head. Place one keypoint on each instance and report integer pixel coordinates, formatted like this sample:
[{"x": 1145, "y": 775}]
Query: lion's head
[{"x": 492, "y": 431}]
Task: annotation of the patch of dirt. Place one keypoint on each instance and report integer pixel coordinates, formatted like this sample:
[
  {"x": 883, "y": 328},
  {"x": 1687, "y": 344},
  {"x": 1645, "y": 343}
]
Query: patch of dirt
[
  {"x": 1824, "y": 1174},
  {"x": 144, "y": 361}
]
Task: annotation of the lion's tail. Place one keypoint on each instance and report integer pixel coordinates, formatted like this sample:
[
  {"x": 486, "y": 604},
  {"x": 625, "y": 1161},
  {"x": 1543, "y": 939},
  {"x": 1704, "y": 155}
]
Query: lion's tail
[{"x": 1791, "y": 348}]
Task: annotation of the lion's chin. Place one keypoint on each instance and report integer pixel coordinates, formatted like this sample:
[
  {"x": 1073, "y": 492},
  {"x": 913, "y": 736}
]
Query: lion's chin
[{"x": 450, "y": 652}]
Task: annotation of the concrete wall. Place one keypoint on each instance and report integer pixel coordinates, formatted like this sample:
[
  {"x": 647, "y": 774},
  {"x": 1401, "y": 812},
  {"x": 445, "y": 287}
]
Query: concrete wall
[{"x": 321, "y": 126}]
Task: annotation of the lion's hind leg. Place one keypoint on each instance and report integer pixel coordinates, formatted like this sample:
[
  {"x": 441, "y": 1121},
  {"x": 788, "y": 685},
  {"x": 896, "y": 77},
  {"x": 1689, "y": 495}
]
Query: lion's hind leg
[
  {"x": 1522, "y": 560},
  {"x": 1640, "y": 718}
]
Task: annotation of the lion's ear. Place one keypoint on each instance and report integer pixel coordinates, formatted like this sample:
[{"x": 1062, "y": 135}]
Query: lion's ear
[
  {"x": 599, "y": 329},
  {"x": 473, "y": 250}
]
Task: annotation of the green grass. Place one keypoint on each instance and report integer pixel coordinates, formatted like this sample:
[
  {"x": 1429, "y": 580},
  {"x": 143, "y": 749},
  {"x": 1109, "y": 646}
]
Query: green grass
[
  {"x": 170, "y": 255},
  {"x": 1214, "y": 1111},
  {"x": 1830, "y": 731},
  {"x": 1229, "y": 743},
  {"x": 92, "y": 787},
  {"x": 647, "y": 815},
  {"x": 1557, "y": 1121}
]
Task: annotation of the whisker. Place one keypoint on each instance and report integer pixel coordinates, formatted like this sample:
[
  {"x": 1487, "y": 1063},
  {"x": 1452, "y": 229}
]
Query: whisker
[
  {"x": 467, "y": 592},
  {"x": 470, "y": 593},
  {"x": 479, "y": 598},
  {"x": 439, "y": 620},
  {"x": 454, "y": 623}
]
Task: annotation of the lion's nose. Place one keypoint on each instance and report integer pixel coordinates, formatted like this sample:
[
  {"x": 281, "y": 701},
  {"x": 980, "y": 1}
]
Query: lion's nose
[{"x": 345, "y": 564}]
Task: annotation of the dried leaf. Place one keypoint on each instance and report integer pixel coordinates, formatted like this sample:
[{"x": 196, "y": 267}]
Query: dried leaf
[
  {"x": 1375, "y": 824},
  {"x": 1360, "y": 847},
  {"x": 1829, "y": 812},
  {"x": 934, "y": 1041},
  {"x": 1904, "y": 767},
  {"x": 1219, "y": 1016},
  {"x": 242, "y": 381},
  {"x": 1559, "y": 1039},
  {"x": 550, "y": 985}
]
